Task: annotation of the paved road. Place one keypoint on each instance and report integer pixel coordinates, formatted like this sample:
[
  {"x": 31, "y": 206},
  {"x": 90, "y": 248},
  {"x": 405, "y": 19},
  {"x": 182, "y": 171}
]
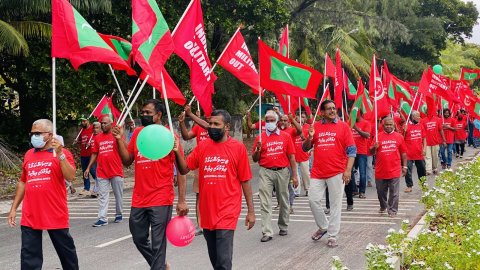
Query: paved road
[{"x": 111, "y": 247}]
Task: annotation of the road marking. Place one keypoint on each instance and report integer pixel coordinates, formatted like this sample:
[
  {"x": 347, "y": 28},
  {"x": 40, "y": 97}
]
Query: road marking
[{"x": 114, "y": 241}]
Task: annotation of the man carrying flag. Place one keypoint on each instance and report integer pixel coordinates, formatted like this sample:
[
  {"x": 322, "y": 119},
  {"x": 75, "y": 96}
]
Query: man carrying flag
[
  {"x": 417, "y": 145},
  {"x": 449, "y": 125}
]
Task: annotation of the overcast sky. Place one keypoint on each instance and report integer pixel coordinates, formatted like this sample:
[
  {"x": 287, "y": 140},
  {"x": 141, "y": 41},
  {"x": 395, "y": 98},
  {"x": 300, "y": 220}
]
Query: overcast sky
[{"x": 476, "y": 29}]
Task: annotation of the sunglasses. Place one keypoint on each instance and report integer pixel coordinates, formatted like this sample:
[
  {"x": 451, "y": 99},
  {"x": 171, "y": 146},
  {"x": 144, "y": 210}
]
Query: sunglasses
[{"x": 37, "y": 133}]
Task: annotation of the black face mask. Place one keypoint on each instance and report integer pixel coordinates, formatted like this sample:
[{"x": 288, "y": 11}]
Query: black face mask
[
  {"x": 414, "y": 121},
  {"x": 216, "y": 134},
  {"x": 146, "y": 120}
]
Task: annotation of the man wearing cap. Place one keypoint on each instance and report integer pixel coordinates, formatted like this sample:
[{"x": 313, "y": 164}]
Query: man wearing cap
[{"x": 85, "y": 137}]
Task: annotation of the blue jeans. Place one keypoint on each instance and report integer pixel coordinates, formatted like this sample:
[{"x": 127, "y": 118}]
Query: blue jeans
[
  {"x": 93, "y": 171},
  {"x": 448, "y": 159},
  {"x": 361, "y": 164}
]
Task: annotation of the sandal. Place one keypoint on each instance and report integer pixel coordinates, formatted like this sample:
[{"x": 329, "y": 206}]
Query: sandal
[{"x": 318, "y": 234}]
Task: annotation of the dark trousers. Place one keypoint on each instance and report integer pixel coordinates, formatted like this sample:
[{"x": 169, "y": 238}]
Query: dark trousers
[
  {"x": 32, "y": 251},
  {"x": 390, "y": 188},
  {"x": 470, "y": 133},
  {"x": 348, "y": 191},
  {"x": 93, "y": 171},
  {"x": 142, "y": 220},
  {"x": 220, "y": 248},
  {"x": 460, "y": 148},
  {"x": 421, "y": 171},
  {"x": 361, "y": 165}
]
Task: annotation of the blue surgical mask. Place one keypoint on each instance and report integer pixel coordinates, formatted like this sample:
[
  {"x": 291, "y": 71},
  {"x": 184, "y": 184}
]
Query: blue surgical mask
[
  {"x": 271, "y": 126},
  {"x": 37, "y": 141}
]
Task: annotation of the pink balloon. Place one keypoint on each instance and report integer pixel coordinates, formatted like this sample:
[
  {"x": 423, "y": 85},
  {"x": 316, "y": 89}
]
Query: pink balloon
[{"x": 180, "y": 231}]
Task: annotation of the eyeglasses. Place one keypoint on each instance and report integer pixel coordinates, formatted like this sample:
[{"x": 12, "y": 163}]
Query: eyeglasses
[{"x": 38, "y": 133}]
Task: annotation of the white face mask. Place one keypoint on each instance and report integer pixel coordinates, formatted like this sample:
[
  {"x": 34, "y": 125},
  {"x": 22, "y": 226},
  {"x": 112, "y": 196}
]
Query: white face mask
[
  {"x": 271, "y": 126},
  {"x": 37, "y": 141}
]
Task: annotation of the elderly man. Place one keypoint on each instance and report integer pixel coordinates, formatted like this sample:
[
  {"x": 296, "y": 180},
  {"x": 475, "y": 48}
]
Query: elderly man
[
  {"x": 109, "y": 171},
  {"x": 274, "y": 151},
  {"x": 153, "y": 194},
  {"x": 86, "y": 135},
  {"x": 42, "y": 189},
  {"x": 417, "y": 144},
  {"x": 391, "y": 161},
  {"x": 224, "y": 171},
  {"x": 334, "y": 153}
]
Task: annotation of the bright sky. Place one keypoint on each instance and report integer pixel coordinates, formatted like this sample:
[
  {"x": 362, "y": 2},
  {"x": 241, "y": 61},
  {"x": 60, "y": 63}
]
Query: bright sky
[{"x": 476, "y": 29}]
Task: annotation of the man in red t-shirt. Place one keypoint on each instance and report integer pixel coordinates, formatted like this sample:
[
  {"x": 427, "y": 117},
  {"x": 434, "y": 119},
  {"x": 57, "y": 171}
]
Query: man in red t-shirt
[
  {"x": 334, "y": 153},
  {"x": 274, "y": 151},
  {"x": 461, "y": 133},
  {"x": 449, "y": 124},
  {"x": 153, "y": 194},
  {"x": 302, "y": 158},
  {"x": 42, "y": 190},
  {"x": 390, "y": 164},
  {"x": 109, "y": 172},
  {"x": 224, "y": 171},
  {"x": 86, "y": 135},
  {"x": 198, "y": 131},
  {"x": 417, "y": 143},
  {"x": 361, "y": 135},
  {"x": 435, "y": 137}
]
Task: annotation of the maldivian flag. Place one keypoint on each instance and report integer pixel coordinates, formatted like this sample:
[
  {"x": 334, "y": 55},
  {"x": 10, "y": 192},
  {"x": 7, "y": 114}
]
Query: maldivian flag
[
  {"x": 405, "y": 108},
  {"x": 306, "y": 106},
  {"x": 475, "y": 111},
  {"x": 75, "y": 39},
  {"x": 151, "y": 39},
  {"x": 173, "y": 92},
  {"x": 469, "y": 74},
  {"x": 284, "y": 48},
  {"x": 283, "y": 100},
  {"x": 281, "y": 75},
  {"x": 357, "y": 105},
  {"x": 351, "y": 90},
  {"x": 106, "y": 107},
  {"x": 121, "y": 46}
]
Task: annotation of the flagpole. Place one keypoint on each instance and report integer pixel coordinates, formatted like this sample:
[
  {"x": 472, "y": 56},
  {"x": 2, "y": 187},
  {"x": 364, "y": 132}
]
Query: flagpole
[
  {"x": 122, "y": 120},
  {"x": 325, "y": 71},
  {"x": 419, "y": 102},
  {"x": 119, "y": 88},
  {"x": 164, "y": 91},
  {"x": 76, "y": 138},
  {"x": 299, "y": 110},
  {"x": 288, "y": 42},
  {"x": 259, "y": 104},
  {"x": 129, "y": 97},
  {"x": 54, "y": 101},
  {"x": 153, "y": 93},
  {"x": 344, "y": 95},
  {"x": 198, "y": 106},
  {"x": 375, "y": 97},
  {"x": 183, "y": 16},
  {"x": 410, "y": 113},
  {"x": 319, "y": 103},
  {"x": 289, "y": 106}
]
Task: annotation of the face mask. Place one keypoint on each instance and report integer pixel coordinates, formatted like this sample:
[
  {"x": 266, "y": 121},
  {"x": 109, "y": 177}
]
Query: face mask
[
  {"x": 271, "y": 126},
  {"x": 460, "y": 118},
  {"x": 216, "y": 134},
  {"x": 414, "y": 121},
  {"x": 37, "y": 141},
  {"x": 147, "y": 120}
]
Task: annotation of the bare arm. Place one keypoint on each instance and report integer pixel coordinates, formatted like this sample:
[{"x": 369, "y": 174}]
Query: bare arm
[
  {"x": 249, "y": 121},
  {"x": 307, "y": 144},
  {"x": 297, "y": 126},
  {"x": 256, "y": 154},
  {"x": 19, "y": 194},
  {"x": 188, "y": 111},
  {"x": 186, "y": 135},
  {"x": 247, "y": 193},
  {"x": 361, "y": 132},
  {"x": 67, "y": 169},
  {"x": 182, "y": 207},
  {"x": 127, "y": 157}
]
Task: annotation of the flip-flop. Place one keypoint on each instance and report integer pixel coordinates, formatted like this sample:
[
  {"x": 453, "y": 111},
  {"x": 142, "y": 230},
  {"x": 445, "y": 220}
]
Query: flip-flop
[{"x": 318, "y": 234}]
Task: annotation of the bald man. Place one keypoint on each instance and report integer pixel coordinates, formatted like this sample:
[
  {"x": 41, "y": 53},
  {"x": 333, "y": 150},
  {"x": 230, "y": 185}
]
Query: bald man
[{"x": 415, "y": 138}]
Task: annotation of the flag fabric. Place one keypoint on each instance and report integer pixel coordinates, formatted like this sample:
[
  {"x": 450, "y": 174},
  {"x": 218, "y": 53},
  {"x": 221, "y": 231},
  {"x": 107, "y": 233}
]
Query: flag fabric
[
  {"x": 283, "y": 100},
  {"x": 284, "y": 45},
  {"x": 151, "y": 39},
  {"x": 357, "y": 105},
  {"x": 190, "y": 42},
  {"x": 121, "y": 46},
  {"x": 237, "y": 60},
  {"x": 351, "y": 90},
  {"x": 75, "y": 39},
  {"x": 388, "y": 87},
  {"x": 468, "y": 98},
  {"x": 469, "y": 74},
  {"x": 405, "y": 108},
  {"x": 173, "y": 92},
  {"x": 329, "y": 67},
  {"x": 106, "y": 107},
  {"x": 282, "y": 75},
  {"x": 432, "y": 83},
  {"x": 377, "y": 92},
  {"x": 338, "y": 87},
  {"x": 306, "y": 106}
]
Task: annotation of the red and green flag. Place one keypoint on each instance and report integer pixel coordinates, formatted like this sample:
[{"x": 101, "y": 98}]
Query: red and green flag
[
  {"x": 469, "y": 74},
  {"x": 306, "y": 106},
  {"x": 75, "y": 39},
  {"x": 106, "y": 108},
  {"x": 151, "y": 39},
  {"x": 284, "y": 48},
  {"x": 284, "y": 103},
  {"x": 357, "y": 106},
  {"x": 173, "y": 92},
  {"x": 338, "y": 80},
  {"x": 281, "y": 75},
  {"x": 377, "y": 92},
  {"x": 121, "y": 46},
  {"x": 351, "y": 90}
]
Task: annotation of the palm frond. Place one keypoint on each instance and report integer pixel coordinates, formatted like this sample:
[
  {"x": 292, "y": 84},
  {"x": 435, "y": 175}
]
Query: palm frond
[
  {"x": 33, "y": 29},
  {"x": 22, "y": 7},
  {"x": 11, "y": 41}
]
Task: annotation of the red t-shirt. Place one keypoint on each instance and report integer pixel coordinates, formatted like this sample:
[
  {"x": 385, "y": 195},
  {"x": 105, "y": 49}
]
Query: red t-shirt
[
  {"x": 85, "y": 135},
  {"x": 263, "y": 126},
  {"x": 432, "y": 128},
  {"x": 388, "y": 160},
  {"x": 45, "y": 202},
  {"x": 449, "y": 134},
  {"x": 330, "y": 143},
  {"x": 221, "y": 169},
  {"x": 300, "y": 155},
  {"x": 399, "y": 123},
  {"x": 109, "y": 163},
  {"x": 275, "y": 150},
  {"x": 292, "y": 131},
  {"x": 461, "y": 132},
  {"x": 153, "y": 178},
  {"x": 361, "y": 142},
  {"x": 201, "y": 134},
  {"x": 414, "y": 139}
]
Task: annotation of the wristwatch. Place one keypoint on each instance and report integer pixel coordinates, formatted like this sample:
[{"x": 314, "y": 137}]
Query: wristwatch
[{"x": 62, "y": 157}]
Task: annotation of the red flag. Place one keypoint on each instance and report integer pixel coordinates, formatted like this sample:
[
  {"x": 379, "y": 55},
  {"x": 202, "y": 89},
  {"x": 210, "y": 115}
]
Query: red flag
[
  {"x": 106, "y": 107},
  {"x": 338, "y": 87},
  {"x": 306, "y": 106},
  {"x": 329, "y": 67},
  {"x": 74, "y": 38},
  {"x": 237, "y": 60},
  {"x": 284, "y": 45},
  {"x": 282, "y": 75},
  {"x": 191, "y": 45},
  {"x": 467, "y": 97},
  {"x": 377, "y": 92},
  {"x": 283, "y": 100},
  {"x": 173, "y": 93},
  {"x": 432, "y": 83}
]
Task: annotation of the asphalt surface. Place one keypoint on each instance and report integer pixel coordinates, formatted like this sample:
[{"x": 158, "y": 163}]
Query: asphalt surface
[{"x": 111, "y": 247}]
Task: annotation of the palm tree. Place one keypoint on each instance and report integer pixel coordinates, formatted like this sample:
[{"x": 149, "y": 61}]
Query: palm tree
[{"x": 16, "y": 24}]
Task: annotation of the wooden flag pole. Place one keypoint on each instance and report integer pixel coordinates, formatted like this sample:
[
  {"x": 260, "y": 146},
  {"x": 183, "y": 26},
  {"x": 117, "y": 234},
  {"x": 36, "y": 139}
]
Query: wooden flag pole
[{"x": 54, "y": 101}]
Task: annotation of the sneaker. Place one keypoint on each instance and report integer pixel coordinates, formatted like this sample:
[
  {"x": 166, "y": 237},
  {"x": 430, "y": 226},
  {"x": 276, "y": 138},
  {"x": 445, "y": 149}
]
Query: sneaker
[
  {"x": 283, "y": 232},
  {"x": 408, "y": 190},
  {"x": 332, "y": 242},
  {"x": 291, "y": 210},
  {"x": 265, "y": 238},
  {"x": 100, "y": 223},
  {"x": 326, "y": 211},
  {"x": 198, "y": 231},
  {"x": 350, "y": 207},
  {"x": 382, "y": 211},
  {"x": 118, "y": 219},
  {"x": 83, "y": 192},
  {"x": 461, "y": 156},
  {"x": 306, "y": 193}
]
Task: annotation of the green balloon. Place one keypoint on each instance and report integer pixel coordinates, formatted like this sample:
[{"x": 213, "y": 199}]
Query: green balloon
[
  {"x": 438, "y": 69},
  {"x": 155, "y": 142}
]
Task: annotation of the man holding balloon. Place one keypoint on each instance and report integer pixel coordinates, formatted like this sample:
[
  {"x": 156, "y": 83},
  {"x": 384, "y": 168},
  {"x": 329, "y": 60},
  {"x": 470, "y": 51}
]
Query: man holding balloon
[
  {"x": 224, "y": 171},
  {"x": 152, "y": 200}
]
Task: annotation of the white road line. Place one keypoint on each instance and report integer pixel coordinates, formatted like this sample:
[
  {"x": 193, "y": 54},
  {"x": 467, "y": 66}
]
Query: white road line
[{"x": 114, "y": 241}]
